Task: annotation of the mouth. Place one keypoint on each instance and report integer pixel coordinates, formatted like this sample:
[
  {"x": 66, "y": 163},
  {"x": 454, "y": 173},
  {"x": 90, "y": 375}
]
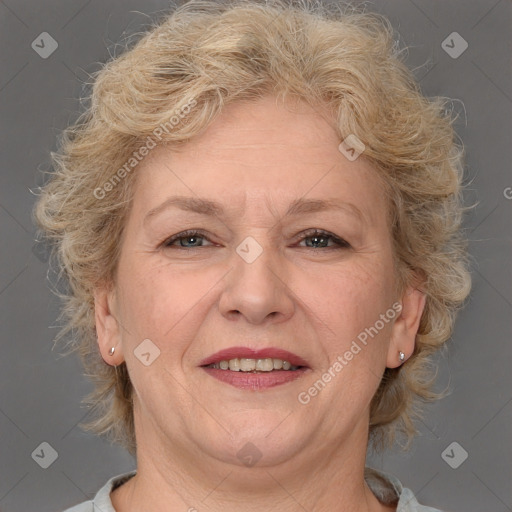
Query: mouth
[
  {"x": 254, "y": 365},
  {"x": 247, "y": 368}
]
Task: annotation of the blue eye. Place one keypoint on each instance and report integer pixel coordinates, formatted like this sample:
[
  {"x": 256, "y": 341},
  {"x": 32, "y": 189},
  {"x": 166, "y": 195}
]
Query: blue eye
[
  {"x": 188, "y": 236},
  {"x": 321, "y": 237},
  {"x": 320, "y": 240}
]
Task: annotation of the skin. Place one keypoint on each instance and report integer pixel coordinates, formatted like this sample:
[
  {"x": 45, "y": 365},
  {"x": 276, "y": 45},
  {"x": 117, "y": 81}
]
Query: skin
[{"x": 254, "y": 159}]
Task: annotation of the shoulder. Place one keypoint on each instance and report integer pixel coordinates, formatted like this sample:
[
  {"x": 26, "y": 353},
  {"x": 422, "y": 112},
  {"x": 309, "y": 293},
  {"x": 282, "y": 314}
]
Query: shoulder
[
  {"x": 101, "y": 502},
  {"x": 389, "y": 490}
]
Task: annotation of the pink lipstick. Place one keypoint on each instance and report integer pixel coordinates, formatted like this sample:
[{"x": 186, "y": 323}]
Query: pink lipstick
[{"x": 255, "y": 369}]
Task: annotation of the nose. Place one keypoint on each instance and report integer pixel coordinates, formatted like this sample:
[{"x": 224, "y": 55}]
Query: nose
[{"x": 259, "y": 289}]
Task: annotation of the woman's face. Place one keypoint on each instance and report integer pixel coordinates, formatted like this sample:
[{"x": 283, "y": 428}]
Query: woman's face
[{"x": 256, "y": 278}]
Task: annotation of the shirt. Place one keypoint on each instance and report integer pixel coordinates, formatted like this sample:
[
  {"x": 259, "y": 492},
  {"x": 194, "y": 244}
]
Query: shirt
[{"x": 387, "y": 488}]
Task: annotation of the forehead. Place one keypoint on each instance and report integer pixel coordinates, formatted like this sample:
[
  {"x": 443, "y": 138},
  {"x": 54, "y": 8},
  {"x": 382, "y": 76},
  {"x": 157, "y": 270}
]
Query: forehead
[{"x": 261, "y": 155}]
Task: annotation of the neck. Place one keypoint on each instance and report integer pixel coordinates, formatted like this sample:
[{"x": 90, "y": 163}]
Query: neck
[{"x": 325, "y": 477}]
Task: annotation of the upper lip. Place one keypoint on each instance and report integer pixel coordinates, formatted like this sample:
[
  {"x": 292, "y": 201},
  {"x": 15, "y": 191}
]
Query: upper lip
[{"x": 251, "y": 353}]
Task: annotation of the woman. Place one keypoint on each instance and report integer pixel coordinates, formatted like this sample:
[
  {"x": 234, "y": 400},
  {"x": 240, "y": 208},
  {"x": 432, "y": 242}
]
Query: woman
[{"x": 259, "y": 219}]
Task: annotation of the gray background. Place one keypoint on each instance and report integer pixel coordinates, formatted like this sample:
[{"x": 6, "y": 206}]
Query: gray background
[{"x": 40, "y": 391}]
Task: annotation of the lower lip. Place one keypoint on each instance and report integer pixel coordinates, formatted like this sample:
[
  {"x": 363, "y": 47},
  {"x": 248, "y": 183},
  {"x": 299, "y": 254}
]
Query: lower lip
[{"x": 255, "y": 381}]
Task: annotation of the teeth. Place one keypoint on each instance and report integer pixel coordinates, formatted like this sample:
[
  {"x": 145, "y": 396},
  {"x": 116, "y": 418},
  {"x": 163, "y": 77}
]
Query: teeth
[
  {"x": 253, "y": 365},
  {"x": 247, "y": 365},
  {"x": 234, "y": 365},
  {"x": 265, "y": 365},
  {"x": 278, "y": 364}
]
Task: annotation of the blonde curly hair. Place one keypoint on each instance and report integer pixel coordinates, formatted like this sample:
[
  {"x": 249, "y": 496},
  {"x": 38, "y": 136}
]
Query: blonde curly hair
[{"x": 209, "y": 54}]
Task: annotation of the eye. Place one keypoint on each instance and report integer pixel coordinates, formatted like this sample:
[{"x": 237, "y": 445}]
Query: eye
[
  {"x": 191, "y": 236},
  {"x": 321, "y": 238}
]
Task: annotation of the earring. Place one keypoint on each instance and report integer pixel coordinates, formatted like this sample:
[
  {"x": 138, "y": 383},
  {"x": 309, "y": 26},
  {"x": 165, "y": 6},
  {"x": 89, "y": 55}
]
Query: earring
[
  {"x": 401, "y": 355},
  {"x": 111, "y": 351}
]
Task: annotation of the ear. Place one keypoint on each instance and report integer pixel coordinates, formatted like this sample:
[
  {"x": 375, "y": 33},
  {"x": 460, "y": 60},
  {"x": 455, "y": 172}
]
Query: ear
[
  {"x": 107, "y": 326},
  {"x": 406, "y": 326}
]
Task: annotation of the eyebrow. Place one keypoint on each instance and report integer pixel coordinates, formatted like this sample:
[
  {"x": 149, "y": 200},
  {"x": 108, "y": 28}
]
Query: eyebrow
[{"x": 212, "y": 208}]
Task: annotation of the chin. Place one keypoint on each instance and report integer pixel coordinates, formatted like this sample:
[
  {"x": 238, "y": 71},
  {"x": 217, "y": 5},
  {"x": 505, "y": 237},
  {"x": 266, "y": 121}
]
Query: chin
[{"x": 258, "y": 438}]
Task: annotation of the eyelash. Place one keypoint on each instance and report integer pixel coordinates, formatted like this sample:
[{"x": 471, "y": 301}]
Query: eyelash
[{"x": 342, "y": 244}]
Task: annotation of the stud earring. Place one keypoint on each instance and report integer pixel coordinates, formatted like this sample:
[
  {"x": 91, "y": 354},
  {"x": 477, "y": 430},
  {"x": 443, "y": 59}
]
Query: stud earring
[
  {"x": 401, "y": 355},
  {"x": 111, "y": 351}
]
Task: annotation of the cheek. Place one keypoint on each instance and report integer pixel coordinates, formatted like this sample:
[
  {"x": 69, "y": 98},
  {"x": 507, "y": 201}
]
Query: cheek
[
  {"x": 349, "y": 299},
  {"x": 160, "y": 302},
  {"x": 349, "y": 302}
]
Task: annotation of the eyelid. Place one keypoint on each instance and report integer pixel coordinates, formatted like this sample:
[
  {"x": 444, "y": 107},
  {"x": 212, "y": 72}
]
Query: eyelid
[
  {"x": 182, "y": 234},
  {"x": 340, "y": 243}
]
